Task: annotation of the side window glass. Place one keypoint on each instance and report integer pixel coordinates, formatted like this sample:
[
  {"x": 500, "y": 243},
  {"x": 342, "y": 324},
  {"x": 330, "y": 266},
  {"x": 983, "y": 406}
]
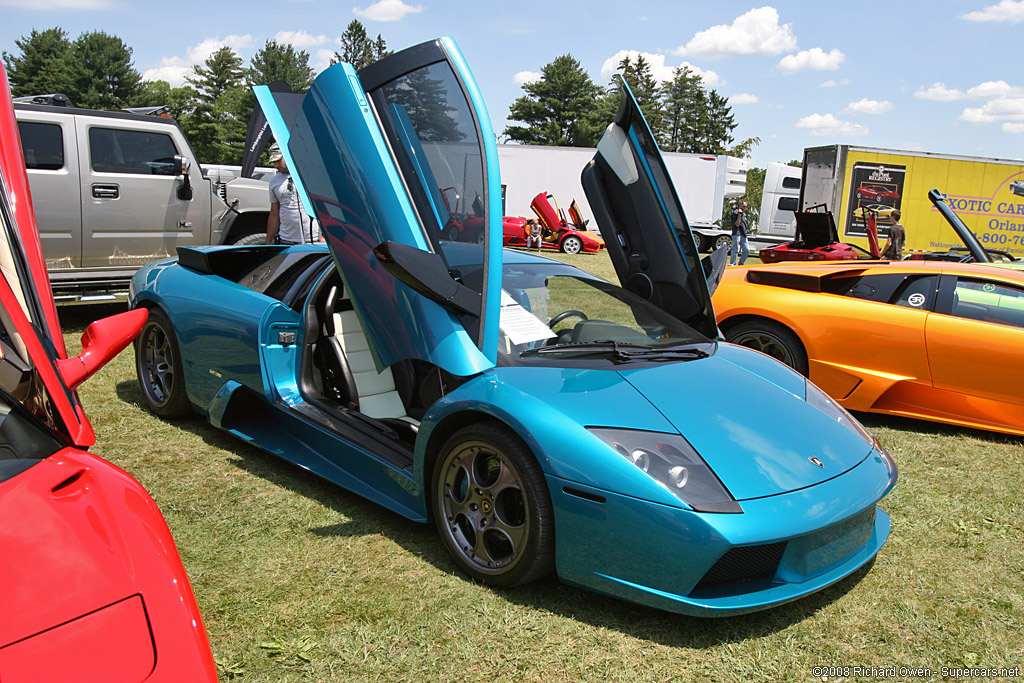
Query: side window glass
[
  {"x": 788, "y": 203},
  {"x": 43, "y": 145},
  {"x": 989, "y": 302},
  {"x": 917, "y": 292},
  {"x": 791, "y": 183},
  {"x": 131, "y": 151},
  {"x": 880, "y": 288}
]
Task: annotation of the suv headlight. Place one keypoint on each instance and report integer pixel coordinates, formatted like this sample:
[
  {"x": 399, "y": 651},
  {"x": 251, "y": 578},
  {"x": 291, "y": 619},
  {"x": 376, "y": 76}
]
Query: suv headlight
[{"x": 673, "y": 463}]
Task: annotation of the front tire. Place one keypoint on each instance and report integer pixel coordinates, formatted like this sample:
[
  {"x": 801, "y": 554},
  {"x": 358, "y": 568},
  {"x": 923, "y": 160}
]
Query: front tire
[
  {"x": 159, "y": 368},
  {"x": 772, "y": 339},
  {"x": 572, "y": 245},
  {"x": 492, "y": 508}
]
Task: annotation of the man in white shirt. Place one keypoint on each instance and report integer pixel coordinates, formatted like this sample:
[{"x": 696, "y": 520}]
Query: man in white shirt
[{"x": 287, "y": 224}]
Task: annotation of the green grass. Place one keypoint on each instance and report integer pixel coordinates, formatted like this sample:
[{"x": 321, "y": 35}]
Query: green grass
[{"x": 299, "y": 580}]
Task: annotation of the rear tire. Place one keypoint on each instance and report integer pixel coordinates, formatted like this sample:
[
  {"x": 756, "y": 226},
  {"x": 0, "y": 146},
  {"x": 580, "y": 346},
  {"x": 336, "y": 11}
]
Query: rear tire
[
  {"x": 572, "y": 245},
  {"x": 703, "y": 243},
  {"x": 159, "y": 368},
  {"x": 723, "y": 242},
  {"x": 772, "y": 339},
  {"x": 251, "y": 239}
]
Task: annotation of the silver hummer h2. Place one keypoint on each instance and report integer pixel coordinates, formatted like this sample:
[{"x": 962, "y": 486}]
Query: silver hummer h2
[{"x": 115, "y": 190}]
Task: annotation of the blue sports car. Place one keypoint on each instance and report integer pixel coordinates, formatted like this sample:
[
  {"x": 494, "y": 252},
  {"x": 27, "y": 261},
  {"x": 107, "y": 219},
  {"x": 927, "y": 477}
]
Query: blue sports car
[{"x": 544, "y": 420}]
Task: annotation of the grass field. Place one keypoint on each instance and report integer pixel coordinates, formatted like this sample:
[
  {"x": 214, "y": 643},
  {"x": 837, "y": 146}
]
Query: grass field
[{"x": 299, "y": 580}]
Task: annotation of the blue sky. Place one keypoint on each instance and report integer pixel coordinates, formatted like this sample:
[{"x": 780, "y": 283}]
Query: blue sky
[{"x": 933, "y": 75}]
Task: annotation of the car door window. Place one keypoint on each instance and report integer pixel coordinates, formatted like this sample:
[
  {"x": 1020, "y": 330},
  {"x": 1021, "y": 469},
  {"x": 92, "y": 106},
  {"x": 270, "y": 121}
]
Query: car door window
[
  {"x": 43, "y": 145},
  {"x": 900, "y": 289},
  {"x": 131, "y": 151},
  {"x": 989, "y": 302}
]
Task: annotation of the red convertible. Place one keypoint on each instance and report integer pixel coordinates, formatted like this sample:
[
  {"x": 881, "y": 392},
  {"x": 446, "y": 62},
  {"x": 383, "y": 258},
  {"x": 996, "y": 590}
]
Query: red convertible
[
  {"x": 570, "y": 235},
  {"x": 816, "y": 240}
]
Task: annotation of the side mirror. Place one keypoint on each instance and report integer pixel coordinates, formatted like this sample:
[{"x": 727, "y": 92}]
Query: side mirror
[
  {"x": 101, "y": 341},
  {"x": 182, "y": 164}
]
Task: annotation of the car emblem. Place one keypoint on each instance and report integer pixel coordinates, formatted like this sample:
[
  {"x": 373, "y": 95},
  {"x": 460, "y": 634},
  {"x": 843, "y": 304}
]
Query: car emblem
[
  {"x": 817, "y": 462},
  {"x": 916, "y": 300}
]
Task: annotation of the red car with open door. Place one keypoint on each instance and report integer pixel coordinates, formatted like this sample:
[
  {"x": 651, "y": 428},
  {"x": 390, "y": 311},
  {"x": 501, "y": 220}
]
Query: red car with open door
[
  {"x": 570, "y": 235},
  {"x": 93, "y": 588}
]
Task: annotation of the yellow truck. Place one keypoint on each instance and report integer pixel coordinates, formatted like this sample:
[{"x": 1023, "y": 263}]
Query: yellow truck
[{"x": 987, "y": 193}]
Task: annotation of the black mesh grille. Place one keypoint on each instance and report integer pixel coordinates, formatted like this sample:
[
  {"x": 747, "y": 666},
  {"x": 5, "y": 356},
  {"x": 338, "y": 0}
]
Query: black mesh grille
[{"x": 743, "y": 565}]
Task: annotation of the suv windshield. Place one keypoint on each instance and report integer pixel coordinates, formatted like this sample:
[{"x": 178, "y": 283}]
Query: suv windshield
[{"x": 554, "y": 310}]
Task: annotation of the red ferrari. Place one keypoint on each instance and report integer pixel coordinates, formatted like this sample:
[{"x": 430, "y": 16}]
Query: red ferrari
[
  {"x": 557, "y": 232},
  {"x": 93, "y": 587},
  {"x": 816, "y": 240}
]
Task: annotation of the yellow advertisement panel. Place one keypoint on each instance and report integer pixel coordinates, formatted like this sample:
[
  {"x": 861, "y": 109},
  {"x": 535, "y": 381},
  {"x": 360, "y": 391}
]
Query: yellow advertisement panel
[{"x": 987, "y": 194}]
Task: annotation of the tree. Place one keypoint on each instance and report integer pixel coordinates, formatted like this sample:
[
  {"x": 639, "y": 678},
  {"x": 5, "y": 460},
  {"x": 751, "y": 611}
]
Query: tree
[
  {"x": 743, "y": 149},
  {"x": 281, "y": 62},
  {"x": 684, "y": 100},
  {"x": 755, "y": 188},
  {"x": 646, "y": 91},
  {"x": 718, "y": 124},
  {"x": 42, "y": 67},
  {"x": 101, "y": 71},
  {"x": 357, "y": 48},
  {"x": 222, "y": 71},
  {"x": 558, "y": 109},
  {"x": 179, "y": 101}
]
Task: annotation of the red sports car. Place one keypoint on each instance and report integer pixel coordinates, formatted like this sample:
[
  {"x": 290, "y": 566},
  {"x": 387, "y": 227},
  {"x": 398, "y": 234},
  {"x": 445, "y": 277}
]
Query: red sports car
[
  {"x": 816, "y": 240},
  {"x": 93, "y": 587},
  {"x": 570, "y": 235},
  {"x": 876, "y": 193}
]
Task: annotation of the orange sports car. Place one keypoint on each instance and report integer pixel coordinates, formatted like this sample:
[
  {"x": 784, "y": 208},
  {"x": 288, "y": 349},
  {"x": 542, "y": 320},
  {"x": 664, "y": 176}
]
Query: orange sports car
[{"x": 931, "y": 340}]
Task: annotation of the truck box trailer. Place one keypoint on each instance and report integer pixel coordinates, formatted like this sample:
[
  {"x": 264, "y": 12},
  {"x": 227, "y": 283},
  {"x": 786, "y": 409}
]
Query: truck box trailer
[
  {"x": 849, "y": 180},
  {"x": 702, "y": 181},
  {"x": 779, "y": 201}
]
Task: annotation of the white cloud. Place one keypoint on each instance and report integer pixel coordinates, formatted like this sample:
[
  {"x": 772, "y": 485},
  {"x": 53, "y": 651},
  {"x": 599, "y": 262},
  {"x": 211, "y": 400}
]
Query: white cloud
[
  {"x": 660, "y": 70},
  {"x": 524, "y": 77},
  {"x": 828, "y": 125},
  {"x": 1007, "y": 10},
  {"x": 755, "y": 33},
  {"x": 1012, "y": 127},
  {"x": 300, "y": 39},
  {"x": 322, "y": 59},
  {"x": 832, "y": 83},
  {"x": 744, "y": 98},
  {"x": 171, "y": 69},
  {"x": 201, "y": 52},
  {"x": 866, "y": 106},
  {"x": 814, "y": 59},
  {"x": 993, "y": 89},
  {"x": 386, "y": 10},
  {"x": 60, "y": 4},
  {"x": 1001, "y": 109},
  {"x": 939, "y": 93}
]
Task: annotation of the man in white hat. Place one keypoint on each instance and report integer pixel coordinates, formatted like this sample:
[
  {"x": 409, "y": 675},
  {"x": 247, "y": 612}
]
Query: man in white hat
[{"x": 287, "y": 224}]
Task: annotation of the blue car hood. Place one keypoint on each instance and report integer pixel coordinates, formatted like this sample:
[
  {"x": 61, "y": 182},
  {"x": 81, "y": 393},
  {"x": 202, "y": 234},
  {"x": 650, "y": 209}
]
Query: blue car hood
[{"x": 745, "y": 414}]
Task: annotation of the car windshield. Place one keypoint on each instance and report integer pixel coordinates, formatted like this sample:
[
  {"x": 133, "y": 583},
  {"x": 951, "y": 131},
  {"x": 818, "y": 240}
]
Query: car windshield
[{"x": 559, "y": 312}]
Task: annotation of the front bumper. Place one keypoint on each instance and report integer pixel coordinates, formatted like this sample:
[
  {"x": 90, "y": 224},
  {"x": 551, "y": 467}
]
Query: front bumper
[{"x": 779, "y": 549}]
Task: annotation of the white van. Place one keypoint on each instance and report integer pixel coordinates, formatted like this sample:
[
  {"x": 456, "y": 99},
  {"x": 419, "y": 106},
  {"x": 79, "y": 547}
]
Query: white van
[{"x": 780, "y": 200}]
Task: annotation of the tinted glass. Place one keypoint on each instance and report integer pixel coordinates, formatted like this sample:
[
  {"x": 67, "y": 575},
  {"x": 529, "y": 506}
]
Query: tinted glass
[
  {"x": 131, "y": 151},
  {"x": 989, "y": 302},
  {"x": 894, "y": 288},
  {"x": 791, "y": 183},
  {"x": 788, "y": 203},
  {"x": 440, "y": 148},
  {"x": 43, "y": 145}
]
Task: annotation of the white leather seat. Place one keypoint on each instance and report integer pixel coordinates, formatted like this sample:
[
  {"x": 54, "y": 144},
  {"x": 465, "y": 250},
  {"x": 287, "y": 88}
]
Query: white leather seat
[{"x": 376, "y": 391}]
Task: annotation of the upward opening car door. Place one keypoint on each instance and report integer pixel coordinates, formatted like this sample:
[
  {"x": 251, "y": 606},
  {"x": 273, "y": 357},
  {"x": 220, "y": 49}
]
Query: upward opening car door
[
  {"x": 375, "y": 152},
  {"x": 642, "y": 221}
]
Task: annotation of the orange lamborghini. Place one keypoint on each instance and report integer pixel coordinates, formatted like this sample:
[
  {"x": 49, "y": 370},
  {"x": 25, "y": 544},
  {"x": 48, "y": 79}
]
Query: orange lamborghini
[{"x": 931, "y": 340}]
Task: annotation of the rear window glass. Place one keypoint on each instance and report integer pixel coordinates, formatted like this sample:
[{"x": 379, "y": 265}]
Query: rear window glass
[
  {"x": 141, "y": 152},
  {"x": 43, "y": 145}
]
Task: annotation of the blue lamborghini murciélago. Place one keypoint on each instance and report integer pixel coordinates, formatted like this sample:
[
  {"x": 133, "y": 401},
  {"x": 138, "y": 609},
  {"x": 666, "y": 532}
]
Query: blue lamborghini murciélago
[{"x": 542, "y": 419}]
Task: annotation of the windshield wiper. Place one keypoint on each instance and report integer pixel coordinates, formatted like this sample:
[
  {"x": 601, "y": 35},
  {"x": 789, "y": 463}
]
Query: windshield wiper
[{"x": 623, "y": 351}]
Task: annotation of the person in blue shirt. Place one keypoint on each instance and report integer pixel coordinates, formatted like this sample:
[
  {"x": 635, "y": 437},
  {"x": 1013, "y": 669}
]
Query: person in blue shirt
[{"x": 738, "y": 221}]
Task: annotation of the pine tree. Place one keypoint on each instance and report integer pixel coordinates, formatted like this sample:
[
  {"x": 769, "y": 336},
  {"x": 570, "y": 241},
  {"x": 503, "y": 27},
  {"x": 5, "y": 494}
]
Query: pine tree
[
  {"x": 558, "y": 109},
  {"x": 42, "y": 67},
  {"x": 101, "y": 71},
  {"x": 683, "y": 99},
  {"x": 357, "y": 48},
  {"x": 281, "y": 62}
]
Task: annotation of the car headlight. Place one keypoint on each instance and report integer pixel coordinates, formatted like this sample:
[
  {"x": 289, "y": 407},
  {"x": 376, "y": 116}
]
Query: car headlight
[
  {"x": 826, "y": 404},
  {"x": 673, "y": 463}
]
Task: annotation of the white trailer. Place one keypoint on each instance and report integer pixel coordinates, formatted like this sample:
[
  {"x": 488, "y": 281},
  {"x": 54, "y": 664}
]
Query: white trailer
[
  {"x": 779, "y": 201},
  {"x": 702, "y": 181}
]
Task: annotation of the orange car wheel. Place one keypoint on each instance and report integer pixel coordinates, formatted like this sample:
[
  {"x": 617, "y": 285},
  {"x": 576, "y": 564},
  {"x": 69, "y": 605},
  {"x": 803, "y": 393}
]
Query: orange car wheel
[{"x": 772, "y": 339}]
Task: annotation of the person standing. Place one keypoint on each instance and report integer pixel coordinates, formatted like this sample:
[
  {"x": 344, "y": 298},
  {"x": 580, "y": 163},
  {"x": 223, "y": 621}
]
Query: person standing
[
  {"x": 287, "y": 223},
  {"x": 738, "y": 252},
  {"x": 893, "y": 250}
]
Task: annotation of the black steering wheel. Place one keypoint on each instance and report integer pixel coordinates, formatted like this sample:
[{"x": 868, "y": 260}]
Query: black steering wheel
[{"x": 567, "y": 314}]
